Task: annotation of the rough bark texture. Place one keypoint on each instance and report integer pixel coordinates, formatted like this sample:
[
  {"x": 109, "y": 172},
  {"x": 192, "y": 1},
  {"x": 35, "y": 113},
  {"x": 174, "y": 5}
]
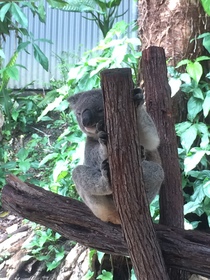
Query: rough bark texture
[
  {"x": 158, "y": 102},
  {"x": 172, "y": 24},
  {"x": 187, "y": 250},
  {"x": 126, "y": 177}
]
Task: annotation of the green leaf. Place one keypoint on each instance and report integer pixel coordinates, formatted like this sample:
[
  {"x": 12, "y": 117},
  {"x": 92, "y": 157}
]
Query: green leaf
[
  {"x": 183, "y": 62},
  {"x": 133, "y": 276},
  {"x": 206, "y": 104},
  {"x": 44, "y": 40},
  {"x": 51, "y": 107},
  {"x": 100, "y": 256},
  {"x": 197, "y": 92},
  {"x": 4, "y": 10},
  {"x": 58, "y": 4},
  {"x": 206, "y": 43},
  {"x": 12, "y": 72},
  {"x": 118, "y": 54},
  {"x": 47, "y": 158},
  {"x": 195, "y": 70},
  {"x": 89, "y": 275},
  {"x": 203, "y": 35},
  {"x": 203, "y": 130},
  {"x": 74, "y": 5},
  {"x": 181, "y": 127},
  {"x": 22, "y": 154},
  {"x": 41, "y": 13},
  {"x": 191, "y": 161},
  {"x": 206, "y": 6},
  {"x": 206, "y": 188},
  {"x": 40, "y": 56},
  {"x": 203, "y": 174},
  {"x": 24, "y": 165},
  {"x": 194, "y": 106},
  {"x": 188, "y": 137},
  {"x": 22, "y": 46},
  {"x": 185, "y": 78},
  {"x": 61, "y": 166},
  {"x": 106, "y": 275},
  {"x": 202, "y": 58},
  {"x": 15, "y": 115},
  {"x": 18, "y": 15}
]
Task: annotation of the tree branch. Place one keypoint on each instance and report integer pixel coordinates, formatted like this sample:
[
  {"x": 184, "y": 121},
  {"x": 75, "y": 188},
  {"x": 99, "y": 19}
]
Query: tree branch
[{"x": 186, "y": 250}]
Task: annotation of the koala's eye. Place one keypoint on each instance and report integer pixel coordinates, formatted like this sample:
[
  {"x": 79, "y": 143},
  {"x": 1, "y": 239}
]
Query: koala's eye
[{"x": 78, "y": 113}]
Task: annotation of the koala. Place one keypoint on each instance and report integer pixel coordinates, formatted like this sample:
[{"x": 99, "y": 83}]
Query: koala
[{"x": 92, "y": 179}]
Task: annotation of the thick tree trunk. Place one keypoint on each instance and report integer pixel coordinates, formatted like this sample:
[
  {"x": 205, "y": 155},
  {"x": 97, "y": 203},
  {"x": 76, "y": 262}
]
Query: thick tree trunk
[
  {"x": 126, "y": 175},
  {"x": 186, "y": 250},
  {"x": 172, "y": 24},
  {"x": 158, "y": 102}
]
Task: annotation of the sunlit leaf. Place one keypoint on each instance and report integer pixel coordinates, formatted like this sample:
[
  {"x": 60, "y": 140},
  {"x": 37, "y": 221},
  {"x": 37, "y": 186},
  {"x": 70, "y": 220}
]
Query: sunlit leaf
[
  {"x": 188, "y": 137},
  {"x": 206, "y": 104},
  {"x": 4, "y": 10},
  {"x": 18, "y": 15},
  {"x": 194, "y": 106},
  {"x": 195, "y": 70},
  {"x": 206, "y": 188},
  {"x": 190, "y": 162},
  {"x": 206, "y": 6}
]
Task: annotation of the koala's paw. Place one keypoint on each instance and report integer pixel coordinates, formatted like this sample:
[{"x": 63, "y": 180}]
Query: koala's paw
[
  {"x": 105, "y": 171},
  {"x": 138, "y": 96},
  {"x": 102, "y": 135}
]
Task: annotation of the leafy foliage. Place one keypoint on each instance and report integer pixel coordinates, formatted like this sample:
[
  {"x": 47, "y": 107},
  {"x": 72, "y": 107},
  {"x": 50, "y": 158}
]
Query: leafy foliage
[
  {"x": 45, "y": 247},
  {"x": 13, "y": 19},
  {"x": 194, "y": 135},
  {"x": 206, "y": 6},
  {"x": 42, "y": 139},
  {"x": 103, "y": 13}
]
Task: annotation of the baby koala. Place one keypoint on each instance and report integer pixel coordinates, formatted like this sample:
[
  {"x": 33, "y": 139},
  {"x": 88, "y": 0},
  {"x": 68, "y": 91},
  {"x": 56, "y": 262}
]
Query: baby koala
[{"x": 92, "y": 178}]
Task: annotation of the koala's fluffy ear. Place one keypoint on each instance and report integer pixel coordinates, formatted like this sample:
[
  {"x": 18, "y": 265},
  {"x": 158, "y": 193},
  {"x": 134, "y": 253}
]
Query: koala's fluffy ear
[{"x": 73, "y": 100}]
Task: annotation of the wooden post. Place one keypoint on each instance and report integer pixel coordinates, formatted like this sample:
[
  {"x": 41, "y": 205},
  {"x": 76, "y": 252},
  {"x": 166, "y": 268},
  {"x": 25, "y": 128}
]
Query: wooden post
[
  {"x": 126, "y": 176},
  {"x": 158, "y": 103}
]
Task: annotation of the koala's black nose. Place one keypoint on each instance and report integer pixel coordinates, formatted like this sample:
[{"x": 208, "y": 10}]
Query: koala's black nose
[{"x": 87, "y": 118}]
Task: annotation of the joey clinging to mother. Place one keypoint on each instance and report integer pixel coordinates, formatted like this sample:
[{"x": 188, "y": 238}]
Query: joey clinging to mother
[{"x": 92, "y": 178}]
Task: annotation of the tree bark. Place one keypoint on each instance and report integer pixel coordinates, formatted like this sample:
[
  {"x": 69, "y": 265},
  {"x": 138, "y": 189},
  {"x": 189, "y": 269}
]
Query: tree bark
[
  {"x": 158, "y": 102},
  {"x": 186, "y": 250},
  {"x": 126, "y": 175},
  {"x": 172, "y": 24}
]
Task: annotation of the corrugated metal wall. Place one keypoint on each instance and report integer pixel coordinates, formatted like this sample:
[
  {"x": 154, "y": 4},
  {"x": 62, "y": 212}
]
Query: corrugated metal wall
[{"x": 69, "y": 32}]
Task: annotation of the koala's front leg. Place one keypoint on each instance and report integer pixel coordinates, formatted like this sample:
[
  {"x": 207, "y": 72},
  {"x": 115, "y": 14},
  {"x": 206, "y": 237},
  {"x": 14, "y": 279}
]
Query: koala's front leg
[
  {"x": 146, "y": 128},
  {"x": 102, "y": 139}
]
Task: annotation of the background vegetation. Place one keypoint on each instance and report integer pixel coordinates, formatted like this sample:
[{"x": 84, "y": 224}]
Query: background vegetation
[{"x": 40, "y": 140}]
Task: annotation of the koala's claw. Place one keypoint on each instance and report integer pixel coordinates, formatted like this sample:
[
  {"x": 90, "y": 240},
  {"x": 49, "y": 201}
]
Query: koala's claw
[
  {"x": 100, "y": 126},
  {"x": 105, "y": 169},
  {"x": 138, "y": 96},
  {"x": 102, "y": 135}
]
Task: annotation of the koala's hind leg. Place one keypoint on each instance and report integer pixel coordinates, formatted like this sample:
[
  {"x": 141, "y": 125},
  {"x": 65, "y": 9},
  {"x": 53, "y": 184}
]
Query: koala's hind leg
[
  {"x": 153, "y": 177},
  {"x": 91, "y": 180},
  {"x": 94, "y": 188}
]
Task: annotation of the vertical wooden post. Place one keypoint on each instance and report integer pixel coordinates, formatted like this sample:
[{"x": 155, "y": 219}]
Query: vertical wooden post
[
  {"x": 126, "y": 176},
  {"x": 158, "y": 103}
]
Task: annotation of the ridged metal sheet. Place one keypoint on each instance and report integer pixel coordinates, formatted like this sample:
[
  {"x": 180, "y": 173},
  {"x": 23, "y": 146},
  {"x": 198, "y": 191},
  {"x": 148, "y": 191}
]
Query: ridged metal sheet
[{"x": 69, "y": 32}]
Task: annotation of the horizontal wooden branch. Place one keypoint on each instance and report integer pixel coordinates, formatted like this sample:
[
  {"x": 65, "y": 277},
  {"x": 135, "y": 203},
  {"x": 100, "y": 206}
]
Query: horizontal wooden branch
[{"x": 186, "y": 250}]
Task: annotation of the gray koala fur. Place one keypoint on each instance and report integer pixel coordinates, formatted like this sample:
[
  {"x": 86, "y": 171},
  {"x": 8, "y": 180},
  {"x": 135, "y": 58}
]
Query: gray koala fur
[{"x": 92, "y": 178}]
